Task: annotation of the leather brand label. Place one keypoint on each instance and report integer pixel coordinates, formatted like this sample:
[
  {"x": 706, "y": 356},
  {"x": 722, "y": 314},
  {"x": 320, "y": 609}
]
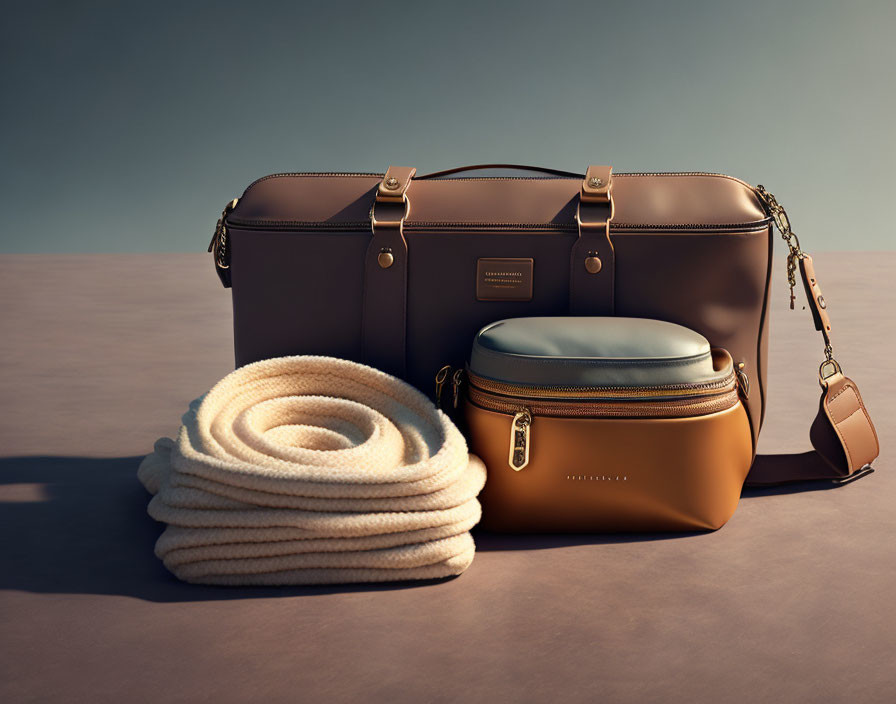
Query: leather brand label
[
  {"x": 597, "y": 477},
  {"x": 504, "y": 279}
]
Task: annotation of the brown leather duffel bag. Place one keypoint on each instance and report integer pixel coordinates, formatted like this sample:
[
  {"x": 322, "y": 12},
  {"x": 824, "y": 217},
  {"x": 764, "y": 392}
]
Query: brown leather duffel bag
[{"x": 400, "y": 272}]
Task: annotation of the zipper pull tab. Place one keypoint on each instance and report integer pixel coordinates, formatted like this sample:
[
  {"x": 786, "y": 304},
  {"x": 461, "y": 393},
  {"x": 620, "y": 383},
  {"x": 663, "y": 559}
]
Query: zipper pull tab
[
  {"x": 219, "y": 245},
  {"x": 441, "y": 378},
  {"x": 456, "y": 381},
  {"x": 519, "y": 440},
  {"x": 743, "y": 381}
]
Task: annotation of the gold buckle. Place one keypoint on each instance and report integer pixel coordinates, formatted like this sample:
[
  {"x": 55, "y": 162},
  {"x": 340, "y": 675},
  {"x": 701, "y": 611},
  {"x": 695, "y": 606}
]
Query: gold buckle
[
  {"x": 782, "y": 222},
  {"x": 392, "y": 194},
  {"x": 603, "y": 222},
  {"x": 596, "y": 193},
  {"x": 375, "y": 223},
  {"x": 827, "y": 369}
]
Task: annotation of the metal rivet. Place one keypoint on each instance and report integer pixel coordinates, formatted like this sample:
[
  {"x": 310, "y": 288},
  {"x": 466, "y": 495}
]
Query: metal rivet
[
  {"x": 391, "y": 183},
  {"x": 595, "y": 182},
  {"x": 592, "y": 264},
  {"x": 821, "y": 303},
  {"x": 385, "y": 258}
]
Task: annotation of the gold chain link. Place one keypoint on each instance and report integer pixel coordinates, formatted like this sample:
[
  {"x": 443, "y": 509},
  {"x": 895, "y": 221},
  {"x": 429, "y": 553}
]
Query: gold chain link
[
  {"x": 782, "y": 222},
  {"x": 829, "y": 366}
]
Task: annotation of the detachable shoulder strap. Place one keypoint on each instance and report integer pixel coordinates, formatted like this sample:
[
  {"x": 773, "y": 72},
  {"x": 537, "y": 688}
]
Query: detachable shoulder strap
[{"x": 842, "y": 434}]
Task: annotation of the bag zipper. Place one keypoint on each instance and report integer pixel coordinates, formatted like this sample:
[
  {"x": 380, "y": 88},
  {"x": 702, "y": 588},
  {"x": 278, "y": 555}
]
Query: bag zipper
[
  {"x": 302, "y": 225},
  {"x": 666, "y": 391},
  {"x": 663, "y": 408},
  {"x": 528, "y": 402},
  {"x": 426, "y": 226},
  {"x": 220, "y": 245}
]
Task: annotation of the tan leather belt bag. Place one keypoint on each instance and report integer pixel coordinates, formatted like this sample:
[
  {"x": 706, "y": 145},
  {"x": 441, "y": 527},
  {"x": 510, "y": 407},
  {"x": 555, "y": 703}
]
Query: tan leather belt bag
[
  {"x": 400, "y": 272},
  {"x": 605, "y": 424}
]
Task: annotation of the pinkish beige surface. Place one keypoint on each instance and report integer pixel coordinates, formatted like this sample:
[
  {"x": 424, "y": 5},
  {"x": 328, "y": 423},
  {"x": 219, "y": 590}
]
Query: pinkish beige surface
[{"x": 99, "y": 355}]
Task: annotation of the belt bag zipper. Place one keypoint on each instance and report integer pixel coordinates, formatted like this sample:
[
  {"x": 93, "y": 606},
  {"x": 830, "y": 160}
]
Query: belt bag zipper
[{"x": 527, "y": 403}]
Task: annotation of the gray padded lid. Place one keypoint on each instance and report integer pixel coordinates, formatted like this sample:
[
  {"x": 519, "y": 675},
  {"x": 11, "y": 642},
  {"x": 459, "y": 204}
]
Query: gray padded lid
[{"x": 593, "y": 351}]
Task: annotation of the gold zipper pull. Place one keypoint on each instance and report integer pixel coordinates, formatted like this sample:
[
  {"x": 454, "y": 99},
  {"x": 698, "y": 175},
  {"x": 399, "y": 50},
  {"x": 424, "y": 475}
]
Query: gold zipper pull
[
  {"x": 743, "y": 381},
  {"x": 456, "y": 382},
  {"x": 519, "y": 440},
  {"x": 219, "y": 245},
  {"x": 441, "y": 378}
]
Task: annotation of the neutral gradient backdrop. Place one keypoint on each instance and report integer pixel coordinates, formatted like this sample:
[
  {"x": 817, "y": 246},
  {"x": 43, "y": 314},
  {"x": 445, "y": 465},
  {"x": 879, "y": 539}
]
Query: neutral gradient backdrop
[{"x": 127, "y": 126}]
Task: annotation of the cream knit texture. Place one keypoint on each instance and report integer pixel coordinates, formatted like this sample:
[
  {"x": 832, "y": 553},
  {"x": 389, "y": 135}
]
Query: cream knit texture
[{"x": 313, "y": 470}]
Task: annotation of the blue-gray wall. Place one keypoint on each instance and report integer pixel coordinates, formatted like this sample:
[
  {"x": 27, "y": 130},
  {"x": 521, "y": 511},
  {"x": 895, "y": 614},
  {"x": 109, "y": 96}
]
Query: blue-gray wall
[{"x": 126, "y": 126}]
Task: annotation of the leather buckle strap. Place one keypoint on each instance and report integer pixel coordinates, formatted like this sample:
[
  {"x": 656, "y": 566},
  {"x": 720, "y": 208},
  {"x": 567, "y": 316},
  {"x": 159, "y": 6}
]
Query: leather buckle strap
[
  {"x": 394, "y": 186},
  {"x": 391, "y": 207},
  {"x": 596, "y": 186},
  {"x": 383, "y": 322},
  {"x": 842, "y": 415},
  {"x": 389, "y": 214},
  {"x": 597, "y": 198},
  {"x": 817, "y": 303},
  {"x": 843, "y": 437},
  {"x": 592, "y": 260}
]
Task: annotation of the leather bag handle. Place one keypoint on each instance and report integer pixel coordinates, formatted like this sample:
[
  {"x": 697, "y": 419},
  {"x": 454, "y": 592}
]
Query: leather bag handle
[{"x": 515, "y": 167}]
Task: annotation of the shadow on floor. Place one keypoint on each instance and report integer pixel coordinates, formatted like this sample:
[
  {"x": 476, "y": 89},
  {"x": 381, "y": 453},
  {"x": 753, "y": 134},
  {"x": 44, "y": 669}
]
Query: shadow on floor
[
  {"x": 486, "y": 540},
  {"x": 78, "y": 525},
  {"x": 751, "y": 492}
]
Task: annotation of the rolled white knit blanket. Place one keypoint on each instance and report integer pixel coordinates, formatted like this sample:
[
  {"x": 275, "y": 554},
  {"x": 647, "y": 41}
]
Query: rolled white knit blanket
[{"x": 313, "y": 470}]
